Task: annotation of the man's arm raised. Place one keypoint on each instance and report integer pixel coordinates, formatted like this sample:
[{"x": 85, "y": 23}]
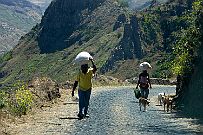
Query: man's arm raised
[{"x": 93, "y": 65}]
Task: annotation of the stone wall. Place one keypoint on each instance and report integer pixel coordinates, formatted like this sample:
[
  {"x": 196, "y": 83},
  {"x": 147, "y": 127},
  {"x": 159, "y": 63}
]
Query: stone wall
[{"x": 157, "y": 81}]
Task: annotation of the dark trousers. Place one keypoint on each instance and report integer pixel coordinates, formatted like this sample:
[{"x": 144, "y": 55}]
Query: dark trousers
[
  {"x": 144, "y": 92},
  {"x": 84, "y": 97}
]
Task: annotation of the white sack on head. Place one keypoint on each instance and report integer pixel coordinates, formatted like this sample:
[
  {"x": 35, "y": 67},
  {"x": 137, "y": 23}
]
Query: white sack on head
[
  {"x": 82, "y": 58},
  {"x": 145, "y": 66}
]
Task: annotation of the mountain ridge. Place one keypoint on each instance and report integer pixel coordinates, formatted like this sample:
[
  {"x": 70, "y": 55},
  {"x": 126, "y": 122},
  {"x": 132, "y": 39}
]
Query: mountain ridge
[
  {"x": 43, "y": 4},
  {"x": 17, "y": 18},
  {"x": 118, "y": 38}
]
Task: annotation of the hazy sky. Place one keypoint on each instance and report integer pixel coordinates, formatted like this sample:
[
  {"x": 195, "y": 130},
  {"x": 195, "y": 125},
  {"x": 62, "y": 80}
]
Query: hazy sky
[{"x": 42, "y": 3}]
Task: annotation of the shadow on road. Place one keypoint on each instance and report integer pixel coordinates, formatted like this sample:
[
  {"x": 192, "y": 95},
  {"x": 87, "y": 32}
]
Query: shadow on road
[
  {"x": 70, "y": 103},
  {"x": 70, "y": 118}
]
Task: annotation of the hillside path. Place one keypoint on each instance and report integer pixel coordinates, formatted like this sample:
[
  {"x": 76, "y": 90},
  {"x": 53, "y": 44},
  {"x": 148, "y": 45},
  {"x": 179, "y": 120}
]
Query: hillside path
[{"x": 113, "y": 111}]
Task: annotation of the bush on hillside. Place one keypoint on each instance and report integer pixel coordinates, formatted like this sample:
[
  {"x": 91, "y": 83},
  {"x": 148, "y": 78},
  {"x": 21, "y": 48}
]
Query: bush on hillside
[
  {"x": 123, "y": 3},
  {"x": 16, "y": 99},
  {"x": 21, "y": 100}
]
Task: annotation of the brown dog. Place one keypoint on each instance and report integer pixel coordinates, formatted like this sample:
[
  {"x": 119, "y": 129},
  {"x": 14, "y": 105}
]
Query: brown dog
[
  {"x": 143, "y": 102},
  {"x": 168, "y": 102}
]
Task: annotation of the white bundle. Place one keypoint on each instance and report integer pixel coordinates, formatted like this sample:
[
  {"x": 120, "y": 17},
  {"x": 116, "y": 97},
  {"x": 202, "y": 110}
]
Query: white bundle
[
  {"x": 145, "y": 66},
  {"x": 82, "y": 58}
]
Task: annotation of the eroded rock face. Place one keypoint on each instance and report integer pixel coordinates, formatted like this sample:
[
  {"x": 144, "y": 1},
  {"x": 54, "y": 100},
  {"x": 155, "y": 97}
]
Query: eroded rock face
[
  {"x": 44, "y": 89},
  {"x": 60, "y": 20},
  {"x": 130, "y": 45}
]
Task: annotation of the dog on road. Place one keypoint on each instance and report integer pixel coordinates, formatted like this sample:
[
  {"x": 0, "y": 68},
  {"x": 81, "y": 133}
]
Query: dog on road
[
  {"x": 143, "y": 102},
  {"x": 168, "y": 102},
  {"x": 160, "y": 98}
]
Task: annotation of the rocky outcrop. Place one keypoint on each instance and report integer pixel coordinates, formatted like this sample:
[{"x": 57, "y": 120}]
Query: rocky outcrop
[
  {"x": 119, "y": 22},
  {"x": 130, "y": 45},
  {"x": 60, "y": 21}
]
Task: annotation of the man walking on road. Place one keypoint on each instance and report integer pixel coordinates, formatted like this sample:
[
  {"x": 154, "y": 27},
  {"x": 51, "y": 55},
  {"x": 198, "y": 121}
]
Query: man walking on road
[{"x": 84, "y": 79}]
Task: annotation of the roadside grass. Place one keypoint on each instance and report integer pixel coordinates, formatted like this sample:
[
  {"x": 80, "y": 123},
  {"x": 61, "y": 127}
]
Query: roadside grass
[{"x": 16, "y": 100}]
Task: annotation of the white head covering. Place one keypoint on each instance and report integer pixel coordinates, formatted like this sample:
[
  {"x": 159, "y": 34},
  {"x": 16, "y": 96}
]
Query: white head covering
[{"x": 145, "y": 66}]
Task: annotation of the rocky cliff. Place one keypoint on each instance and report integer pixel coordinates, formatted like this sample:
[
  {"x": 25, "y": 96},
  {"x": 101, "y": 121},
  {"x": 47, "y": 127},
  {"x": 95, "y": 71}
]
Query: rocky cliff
[
  {"x": 129, "y": 46},
  {"x": 61, "y": 20}
]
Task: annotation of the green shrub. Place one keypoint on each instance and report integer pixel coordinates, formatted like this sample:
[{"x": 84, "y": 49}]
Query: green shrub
[
  {"x": 187, "y": 46},
  {"x": 21, "y": 100},
  {"x": 6, "y": 57},
  {"x": 3, "y": 99},
  {"x": 184, "y": 51},
  {"x": 123, "y": 3}
]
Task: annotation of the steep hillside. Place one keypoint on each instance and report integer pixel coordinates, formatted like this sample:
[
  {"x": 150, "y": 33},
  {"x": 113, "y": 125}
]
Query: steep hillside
[
  {"x": 143, "y": 4},
  {"x": 67, "y": 28},
  {"x": 158, "y": 27},
  {"x": 187, "y": 63},
  {"x": 118, "y": 39},
  {"x": 17, "y": 18}
]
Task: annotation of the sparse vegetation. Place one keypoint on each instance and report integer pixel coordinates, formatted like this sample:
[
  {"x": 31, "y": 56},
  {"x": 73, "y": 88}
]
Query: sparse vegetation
[
  {"x": 15, "y": 21},
  {"x": 17, "y": 100},
  {"x": 22, "y": 100},
  {"x": 6, "y": 57},
  {"x": 123, "y": 3},
  {"x": 186, "y": 47},
  {"x": 3, "y": 99},
  {"x": 187, "y": 61}
]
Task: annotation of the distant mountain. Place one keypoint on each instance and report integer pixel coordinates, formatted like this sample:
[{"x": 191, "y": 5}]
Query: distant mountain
[
  {"x": 42, "y": 3},
  {"x": 17, "y": 18},
  {"x": 20, "y": 3}
]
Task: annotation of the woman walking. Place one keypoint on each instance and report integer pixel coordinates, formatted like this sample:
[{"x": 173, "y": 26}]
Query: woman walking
[{"x": 144, "y": 80}]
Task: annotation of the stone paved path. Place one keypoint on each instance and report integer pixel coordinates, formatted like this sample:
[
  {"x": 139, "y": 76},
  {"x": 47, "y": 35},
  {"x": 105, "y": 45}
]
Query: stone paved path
[{"x": 113, "y": 111}]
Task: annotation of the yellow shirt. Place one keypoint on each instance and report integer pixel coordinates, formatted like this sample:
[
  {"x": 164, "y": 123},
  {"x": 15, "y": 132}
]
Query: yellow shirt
[{"x": 85, "y": 80}]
